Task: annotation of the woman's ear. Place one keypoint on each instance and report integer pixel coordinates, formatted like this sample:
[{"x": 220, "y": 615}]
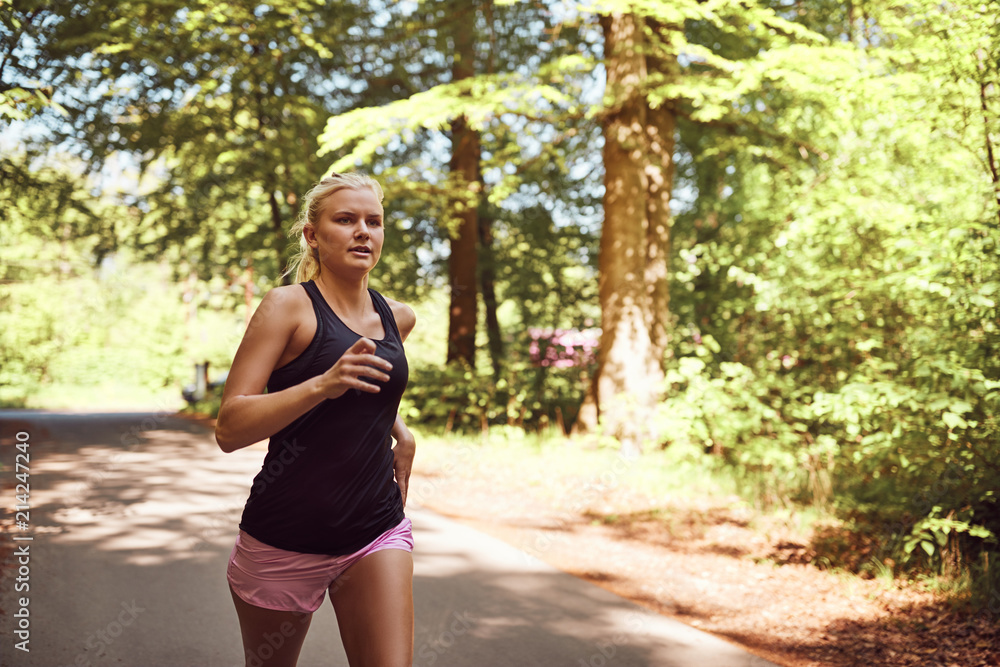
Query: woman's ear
[{"x": 309, "y": 234}]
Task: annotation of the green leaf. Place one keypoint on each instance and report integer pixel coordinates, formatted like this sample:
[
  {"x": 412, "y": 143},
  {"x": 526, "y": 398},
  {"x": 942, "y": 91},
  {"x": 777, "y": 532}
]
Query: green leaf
[{"x": 953, "y": 420}]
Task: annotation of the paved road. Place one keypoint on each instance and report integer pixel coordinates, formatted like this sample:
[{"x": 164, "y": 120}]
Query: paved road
[{"x": 133, "y": 516}]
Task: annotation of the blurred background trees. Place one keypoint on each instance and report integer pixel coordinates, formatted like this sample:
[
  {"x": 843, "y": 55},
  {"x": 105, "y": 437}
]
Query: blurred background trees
[{"x": 765, "y": 231}]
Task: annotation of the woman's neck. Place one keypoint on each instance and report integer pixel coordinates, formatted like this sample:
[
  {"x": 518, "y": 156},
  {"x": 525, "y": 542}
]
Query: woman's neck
[{"x": 347, "y": 297}]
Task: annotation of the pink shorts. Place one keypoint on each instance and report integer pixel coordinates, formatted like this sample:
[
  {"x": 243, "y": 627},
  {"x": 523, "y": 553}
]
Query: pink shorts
[{"x": 272, "y": 578}]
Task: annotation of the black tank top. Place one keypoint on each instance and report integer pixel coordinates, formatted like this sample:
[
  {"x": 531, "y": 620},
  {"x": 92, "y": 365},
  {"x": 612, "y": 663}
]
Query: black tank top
[{"x": 326, "y": 485}]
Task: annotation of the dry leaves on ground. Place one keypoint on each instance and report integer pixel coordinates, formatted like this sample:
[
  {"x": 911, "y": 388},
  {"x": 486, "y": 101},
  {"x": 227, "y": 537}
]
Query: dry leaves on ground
[{"x": 714, "y": 565}]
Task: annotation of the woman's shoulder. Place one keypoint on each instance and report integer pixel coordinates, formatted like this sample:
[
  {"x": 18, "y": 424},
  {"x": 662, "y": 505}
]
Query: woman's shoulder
[
  {"x": 285, "y": 301},
  {"x": 292, "y": 292},
  {"x": 406, "y": 319}
]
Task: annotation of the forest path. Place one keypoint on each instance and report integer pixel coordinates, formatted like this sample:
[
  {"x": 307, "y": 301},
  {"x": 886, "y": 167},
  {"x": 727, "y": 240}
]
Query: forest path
[{"x": 133, "y": 515}]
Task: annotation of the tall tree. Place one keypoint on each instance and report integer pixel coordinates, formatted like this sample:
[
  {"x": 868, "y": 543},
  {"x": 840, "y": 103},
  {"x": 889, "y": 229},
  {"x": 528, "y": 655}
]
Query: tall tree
[
  {"x": 654, "y": 76},
  {"x": 465, "y": 156},
  {"x": 635, "y": 238}
]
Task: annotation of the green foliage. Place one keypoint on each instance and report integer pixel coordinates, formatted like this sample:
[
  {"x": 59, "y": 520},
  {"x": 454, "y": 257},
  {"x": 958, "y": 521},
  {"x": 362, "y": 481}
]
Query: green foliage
[
  {"x": 28, "y": 345},
  {"x": 82, "y": 331},
  {"x": 837, "y": 310},
  {"x": 456, "y": 398},
  {"x": 480, "y": 100},
  {"x": 219, "y": 106},
  {"x": 207, "y": 406},
  {"x": 81, "y": 321},
  {"x": 933, "y": 533}
]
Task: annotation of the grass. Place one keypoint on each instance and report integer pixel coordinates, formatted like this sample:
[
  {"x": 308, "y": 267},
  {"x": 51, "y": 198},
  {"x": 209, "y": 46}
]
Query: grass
[
  {"x": 614, "y": 488},
  {"x": 537, "y": 456},
  {"x": 105, "y": 397}
]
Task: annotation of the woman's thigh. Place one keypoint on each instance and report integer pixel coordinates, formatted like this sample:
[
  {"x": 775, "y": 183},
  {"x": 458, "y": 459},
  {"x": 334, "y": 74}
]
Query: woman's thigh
[
  {"x": 270, "y": 638},
  {"x": 374, "y": 604}
]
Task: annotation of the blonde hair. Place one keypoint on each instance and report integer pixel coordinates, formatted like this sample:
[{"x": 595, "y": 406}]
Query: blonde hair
[{"x": 305, "y": 263}]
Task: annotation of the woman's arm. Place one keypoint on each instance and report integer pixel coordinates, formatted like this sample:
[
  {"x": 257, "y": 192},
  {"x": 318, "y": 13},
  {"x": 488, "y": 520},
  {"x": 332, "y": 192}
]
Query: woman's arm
[
  {"x": 402, "y": 462},
  {"x": 248, "y": 415},
  {"x": 406, "y": 445}
]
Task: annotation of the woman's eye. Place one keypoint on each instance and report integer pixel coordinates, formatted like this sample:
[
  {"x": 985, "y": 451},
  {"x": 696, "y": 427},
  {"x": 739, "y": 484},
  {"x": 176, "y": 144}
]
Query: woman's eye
[{"x": 375, "y": 223}]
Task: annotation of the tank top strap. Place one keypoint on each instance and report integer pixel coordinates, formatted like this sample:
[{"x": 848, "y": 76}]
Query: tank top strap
[
  {"x": 385, "y": 312},
  {"x": 296, "y": 370},
  {"x": 317, "y": 303},
  {"x": 317, "y": 300},
  {"x": 313, "y": 292}
]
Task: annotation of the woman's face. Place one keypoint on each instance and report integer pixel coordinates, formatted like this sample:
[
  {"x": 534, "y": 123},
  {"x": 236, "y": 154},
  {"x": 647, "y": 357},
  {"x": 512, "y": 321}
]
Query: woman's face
[{"x": 348, "y": 232}]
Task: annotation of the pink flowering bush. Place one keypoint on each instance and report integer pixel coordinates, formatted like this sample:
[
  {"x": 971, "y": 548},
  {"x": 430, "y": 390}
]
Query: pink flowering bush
[
  {"x": 543, "y": 380},
  {"x": 563, "y": 348}
]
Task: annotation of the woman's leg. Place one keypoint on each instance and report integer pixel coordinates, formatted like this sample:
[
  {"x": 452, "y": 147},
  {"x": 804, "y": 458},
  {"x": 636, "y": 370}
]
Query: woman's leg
[
  {"x": 374, "y": 604},
  {"x": 270, "y": 638}
]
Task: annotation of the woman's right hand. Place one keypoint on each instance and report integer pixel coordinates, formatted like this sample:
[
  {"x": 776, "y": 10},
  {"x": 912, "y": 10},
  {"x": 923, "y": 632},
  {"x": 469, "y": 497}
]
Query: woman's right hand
[
  {"x": 247, "y": 414},
  {"x": 356, "y": 369}
]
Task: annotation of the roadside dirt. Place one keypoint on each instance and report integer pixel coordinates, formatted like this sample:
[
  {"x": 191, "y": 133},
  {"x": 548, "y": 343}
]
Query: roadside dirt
[{"x": 713, "y": 565}]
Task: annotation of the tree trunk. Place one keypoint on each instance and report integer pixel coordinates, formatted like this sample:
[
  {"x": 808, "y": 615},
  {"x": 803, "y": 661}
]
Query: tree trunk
[
  {"x": 635, "y": 241},
  {"x": 660, "y": 126},
  {"x": 487, "y": 280},
  {"x": 487, "y": 270},
  {"x": 984, "y": 105},
  {"x": 279, "y": 235},
  {"x": 465, "y": 156}
]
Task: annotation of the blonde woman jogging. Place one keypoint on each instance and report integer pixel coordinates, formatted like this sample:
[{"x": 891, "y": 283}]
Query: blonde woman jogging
[{"x": 325, "y": 513}]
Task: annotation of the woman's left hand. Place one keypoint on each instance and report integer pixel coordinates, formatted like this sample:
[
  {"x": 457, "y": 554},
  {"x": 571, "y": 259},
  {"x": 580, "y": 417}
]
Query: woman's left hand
[{"x": 402, "y": 462}]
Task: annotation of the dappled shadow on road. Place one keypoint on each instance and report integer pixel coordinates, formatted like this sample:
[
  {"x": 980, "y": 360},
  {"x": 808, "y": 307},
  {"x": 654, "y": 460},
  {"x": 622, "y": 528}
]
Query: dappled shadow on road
[
  {"x": 516, "y": 611},
  {"x": 148, "y": 486},
  {"x": 133, "y": 517},
  {"x": 484, "y": 619}
]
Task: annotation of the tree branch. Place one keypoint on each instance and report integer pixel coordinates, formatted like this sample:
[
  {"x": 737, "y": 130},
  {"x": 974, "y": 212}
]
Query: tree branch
[{"x": 986, "y": 128}]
